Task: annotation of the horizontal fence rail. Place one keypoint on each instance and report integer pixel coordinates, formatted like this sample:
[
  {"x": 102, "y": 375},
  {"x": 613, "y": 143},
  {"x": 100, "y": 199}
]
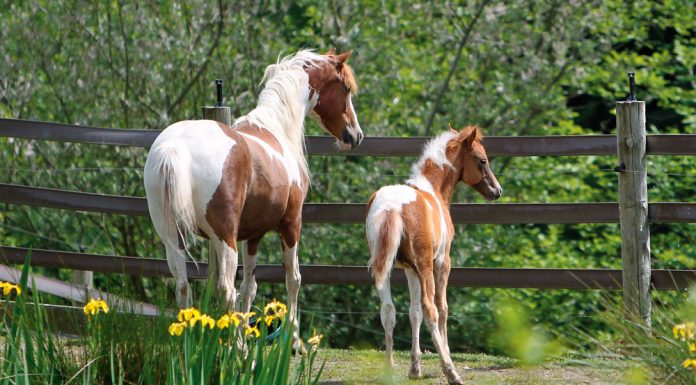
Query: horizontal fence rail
[
  {"x": 502, "y": 213},
  {"x": 606, "y": 279},
  {"x": 560, "y": 145}
]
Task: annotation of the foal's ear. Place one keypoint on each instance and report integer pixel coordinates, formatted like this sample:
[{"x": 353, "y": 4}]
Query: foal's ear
[
  {"x": 331, "y": 51},
  {"x": 451, "y": 128},
  {"x": 469, "y": 135}
]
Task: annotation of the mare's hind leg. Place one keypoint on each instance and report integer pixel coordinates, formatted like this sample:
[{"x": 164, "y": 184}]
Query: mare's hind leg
[
  {"x": 388, "y": 315},
  {"x": 226, "y": 269},
  {"x": 176, "y": 259},
  {"x": 415, "y": 314},
  {"x": 427, "y": 281},
  {"x": 248, "y": 288}
]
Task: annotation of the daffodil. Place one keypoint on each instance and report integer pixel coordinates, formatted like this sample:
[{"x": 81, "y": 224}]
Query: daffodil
[
  {"x": 205, "y": 319},
  {"x": 94, "y": 306},
  {"x": 187, "y": 314},
  {"x": 315, "y": 340},
  {"x": 177, "y": 328},
  {"x": 8, "y": 287},
  {"x": 689, "y": 363},
  {"x": 685, "y": 331},
  {"x": 248, "y": 330}
]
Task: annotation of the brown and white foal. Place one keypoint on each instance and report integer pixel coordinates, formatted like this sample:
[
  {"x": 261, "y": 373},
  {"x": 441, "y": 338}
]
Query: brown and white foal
[
  {"x": 409, "y": 226},
  {"x": 231, "y": 184}
]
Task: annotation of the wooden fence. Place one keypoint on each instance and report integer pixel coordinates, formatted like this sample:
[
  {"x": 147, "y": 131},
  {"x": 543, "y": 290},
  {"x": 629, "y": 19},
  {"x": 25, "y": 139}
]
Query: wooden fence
[{"x": 563, "y": 213}]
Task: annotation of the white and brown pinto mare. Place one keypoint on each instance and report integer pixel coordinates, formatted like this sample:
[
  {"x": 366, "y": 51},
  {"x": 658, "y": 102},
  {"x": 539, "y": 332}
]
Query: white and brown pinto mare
[
  {"x": 409, "y": 226},
  {"x": 232, "y": 184}
]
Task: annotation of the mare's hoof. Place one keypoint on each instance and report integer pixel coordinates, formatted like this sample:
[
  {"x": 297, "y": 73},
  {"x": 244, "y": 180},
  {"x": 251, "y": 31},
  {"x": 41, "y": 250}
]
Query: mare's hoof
[{"x": 298, "y": 348}]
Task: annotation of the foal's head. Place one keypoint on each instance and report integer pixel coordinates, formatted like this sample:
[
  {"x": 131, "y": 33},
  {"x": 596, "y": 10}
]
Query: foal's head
[
  {"x": 333, "y": 84},
  {"x": 469, "y": 157}
]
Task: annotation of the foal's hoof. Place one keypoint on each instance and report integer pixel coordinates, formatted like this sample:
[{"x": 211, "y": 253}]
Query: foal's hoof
[
  {"x": 454, "y": 379},
  {"x": 414, "y": 375}
]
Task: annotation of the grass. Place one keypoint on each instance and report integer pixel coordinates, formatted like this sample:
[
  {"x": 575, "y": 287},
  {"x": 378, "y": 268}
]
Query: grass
[{"x": 355, "y": 367}]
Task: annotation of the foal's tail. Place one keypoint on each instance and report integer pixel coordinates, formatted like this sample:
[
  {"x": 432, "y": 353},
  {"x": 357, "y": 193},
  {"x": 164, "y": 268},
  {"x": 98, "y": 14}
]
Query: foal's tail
[
  {"x": 168, "y": 184},
  {"x": 384, "y": 230}
]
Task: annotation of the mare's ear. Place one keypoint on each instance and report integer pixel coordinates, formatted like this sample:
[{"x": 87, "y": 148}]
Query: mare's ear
[
  {"x": 342, "y": 58},
  {"x": 330, "y": 52},
  {"x": 451, "y": 128}
]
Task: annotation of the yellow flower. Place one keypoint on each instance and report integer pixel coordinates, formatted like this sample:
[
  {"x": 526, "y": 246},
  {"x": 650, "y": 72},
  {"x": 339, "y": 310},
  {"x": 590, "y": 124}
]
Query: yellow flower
[
  {"x": 177, "y": 328},
  {"x": 8, "y": 287},
  {"x": 275, "y": 309},
  {"x": 225, "y": 320},
  {"x": 244, "y": 316},
  {"x": 268, "y": 319},
  {"x": 692, "y": 347},
  {"x": 689, "y": 363},
  {"x": 187, "y": 314},
  {"x": 252, "y": 330},
  {"x": 94, "y": 306},
  {"x": 205, "y": 319},
  {"x": 685, "y": 331},
  {"x": 315, "y": 340}
]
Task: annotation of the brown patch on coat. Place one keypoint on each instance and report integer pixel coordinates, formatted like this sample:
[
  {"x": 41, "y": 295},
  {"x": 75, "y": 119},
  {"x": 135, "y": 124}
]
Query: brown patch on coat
[{"x": 254, "y": 195}]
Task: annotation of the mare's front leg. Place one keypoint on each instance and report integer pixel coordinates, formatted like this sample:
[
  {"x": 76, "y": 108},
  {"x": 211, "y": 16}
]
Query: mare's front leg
[
  {"x": 248, "y": 287},
  {"x": 227, "y": 260},
  {"x": 290, "y": 237}
]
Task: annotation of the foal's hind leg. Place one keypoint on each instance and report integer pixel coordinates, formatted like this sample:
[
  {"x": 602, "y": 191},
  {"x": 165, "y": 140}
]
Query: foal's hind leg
[
  {"x": 415, "y": 314},
  {"x": 441, "y": 276},
  {"x": 427, "y": 281},
  {"x": 388, "y": 316}
]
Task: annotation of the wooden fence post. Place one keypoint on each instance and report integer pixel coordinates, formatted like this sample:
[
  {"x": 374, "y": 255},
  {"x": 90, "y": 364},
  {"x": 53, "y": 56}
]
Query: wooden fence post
[
  {"x": 633, "y": 207},
  {"x": 219, "y": 112}
]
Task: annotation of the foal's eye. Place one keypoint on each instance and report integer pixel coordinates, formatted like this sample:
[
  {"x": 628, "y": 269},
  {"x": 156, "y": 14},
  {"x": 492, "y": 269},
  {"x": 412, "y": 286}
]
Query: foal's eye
[{"x": 483, "y": 161}]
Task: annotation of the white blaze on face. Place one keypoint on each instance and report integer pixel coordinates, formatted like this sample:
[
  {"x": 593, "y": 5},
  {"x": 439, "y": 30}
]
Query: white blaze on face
[{"x": 354, "y": 128}]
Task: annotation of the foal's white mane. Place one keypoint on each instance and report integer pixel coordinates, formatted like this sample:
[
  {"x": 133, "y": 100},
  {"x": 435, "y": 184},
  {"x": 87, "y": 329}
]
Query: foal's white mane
[
  {"x": 436, "y": 151},
  {"x": 284, "y": 102}
]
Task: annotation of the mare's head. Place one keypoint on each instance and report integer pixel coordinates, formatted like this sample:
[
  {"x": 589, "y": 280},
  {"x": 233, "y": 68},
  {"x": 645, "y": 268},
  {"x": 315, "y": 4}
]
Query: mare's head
[
  {"x": 332, "y": 84},
  {"x": 469, "y": 157}
]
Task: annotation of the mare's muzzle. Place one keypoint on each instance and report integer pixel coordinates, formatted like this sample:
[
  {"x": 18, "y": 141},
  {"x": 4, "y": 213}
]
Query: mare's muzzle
[{"x": 352, "y": 138}]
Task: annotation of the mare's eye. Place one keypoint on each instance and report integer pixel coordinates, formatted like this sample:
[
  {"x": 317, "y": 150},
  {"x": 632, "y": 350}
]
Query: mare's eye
[
  {"x": 483, "y": 161},
  {"x": 346, "y": 89}
]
